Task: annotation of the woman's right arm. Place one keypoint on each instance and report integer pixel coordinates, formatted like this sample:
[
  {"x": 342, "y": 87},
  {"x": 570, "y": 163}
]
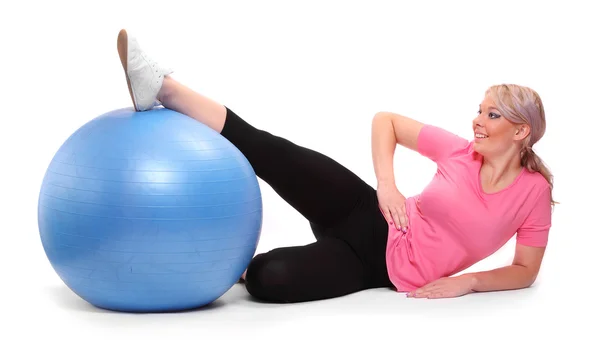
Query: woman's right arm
[{"x": 388, "y": 130}]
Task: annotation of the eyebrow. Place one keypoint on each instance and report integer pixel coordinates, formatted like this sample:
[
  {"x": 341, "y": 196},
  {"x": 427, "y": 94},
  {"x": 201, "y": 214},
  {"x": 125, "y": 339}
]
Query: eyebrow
[{"x": 491, "y": 108}]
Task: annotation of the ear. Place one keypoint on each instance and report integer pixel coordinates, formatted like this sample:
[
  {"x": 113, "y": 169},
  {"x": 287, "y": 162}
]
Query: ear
[{"x": 522, "y": 131}]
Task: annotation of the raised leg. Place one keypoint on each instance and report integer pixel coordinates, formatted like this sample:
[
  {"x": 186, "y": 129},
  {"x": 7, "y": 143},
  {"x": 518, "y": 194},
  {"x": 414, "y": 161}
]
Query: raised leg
[
  {"x": 180, "y": 98},
  {"x": 318, "y": 187}
]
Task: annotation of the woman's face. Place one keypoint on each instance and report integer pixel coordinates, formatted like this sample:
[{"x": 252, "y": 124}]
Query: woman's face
[{"x": 494, "y": 134}]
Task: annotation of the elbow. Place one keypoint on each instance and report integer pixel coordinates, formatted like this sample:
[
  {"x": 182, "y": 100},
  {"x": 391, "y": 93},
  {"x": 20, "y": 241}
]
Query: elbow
[
  {"x": 381, "y": 123},
  {"x": 381, "y": 116},
  {"x": 529, "y": 278},
  {"x": 530, "y": 281}
]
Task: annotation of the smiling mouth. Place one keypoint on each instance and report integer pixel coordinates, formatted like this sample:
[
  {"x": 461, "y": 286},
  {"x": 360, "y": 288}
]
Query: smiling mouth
[{"x": 481, "y": 136}]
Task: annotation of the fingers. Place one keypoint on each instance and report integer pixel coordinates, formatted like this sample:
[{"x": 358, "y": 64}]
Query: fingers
[
  {"x": 403, "y": 218},
  {"x": 437, "y": 294},
  {"x": 400, "y": 218},
  {"x": 429, "y": 293},
  {"x": 388, "y": 215},
  {"x": 396, "y": 215},
  {"x": 424, "y": 290},
  {"x": 391, "y": 215},
  {"x": 396, "y": 218},
  {"x": 442, "y": 288},
  {"x": 434, "y": 295}
]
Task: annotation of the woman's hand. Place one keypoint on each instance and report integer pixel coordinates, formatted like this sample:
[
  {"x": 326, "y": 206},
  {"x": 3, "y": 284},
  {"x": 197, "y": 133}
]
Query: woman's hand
[
  {"x": 446, "y": 287},
  {"x": 393, "y": 205}
]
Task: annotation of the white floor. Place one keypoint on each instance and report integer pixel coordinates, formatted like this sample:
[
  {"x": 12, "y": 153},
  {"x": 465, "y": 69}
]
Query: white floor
[{"x": 535, "y": 316}]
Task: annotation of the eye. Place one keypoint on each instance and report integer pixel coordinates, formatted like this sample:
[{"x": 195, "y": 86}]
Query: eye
[{"x": 494, "y": 115}]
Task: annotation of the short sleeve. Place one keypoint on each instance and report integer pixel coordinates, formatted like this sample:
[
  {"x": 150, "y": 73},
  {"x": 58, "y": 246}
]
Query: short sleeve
[
  {"x": 535, "y": 229},
  {"x": 438, "y": 144}
]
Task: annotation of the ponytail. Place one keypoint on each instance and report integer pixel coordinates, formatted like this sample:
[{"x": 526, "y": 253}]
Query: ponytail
[{"x": 533, "y": 163}]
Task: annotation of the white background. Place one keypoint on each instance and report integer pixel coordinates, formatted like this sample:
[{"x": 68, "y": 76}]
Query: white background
[{"x": 314, "y": 72}]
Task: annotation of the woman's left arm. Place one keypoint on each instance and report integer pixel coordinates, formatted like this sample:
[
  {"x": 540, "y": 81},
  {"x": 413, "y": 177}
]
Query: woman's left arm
[{"x": 521, "y": 273}]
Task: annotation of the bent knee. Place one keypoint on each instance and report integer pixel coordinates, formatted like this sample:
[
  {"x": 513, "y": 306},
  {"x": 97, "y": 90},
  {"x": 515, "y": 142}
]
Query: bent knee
[{"x": 269, "y": 278}]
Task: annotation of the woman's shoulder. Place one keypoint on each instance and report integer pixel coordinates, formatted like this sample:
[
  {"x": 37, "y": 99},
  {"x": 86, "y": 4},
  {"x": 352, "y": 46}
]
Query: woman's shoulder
[
  {"x": 535, "y": 178},
  {"x": 533, "y": 184}
]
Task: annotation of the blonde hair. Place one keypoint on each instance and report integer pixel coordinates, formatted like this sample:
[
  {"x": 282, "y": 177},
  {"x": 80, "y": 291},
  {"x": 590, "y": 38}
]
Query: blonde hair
[{"x": 523, "y": 105}]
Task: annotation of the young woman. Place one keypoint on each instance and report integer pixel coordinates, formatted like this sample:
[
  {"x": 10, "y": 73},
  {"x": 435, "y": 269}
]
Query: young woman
[{"x": 485, "y": 191}]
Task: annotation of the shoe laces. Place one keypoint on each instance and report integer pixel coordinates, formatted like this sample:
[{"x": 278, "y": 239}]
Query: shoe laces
[{"x": 153, "y": 64}]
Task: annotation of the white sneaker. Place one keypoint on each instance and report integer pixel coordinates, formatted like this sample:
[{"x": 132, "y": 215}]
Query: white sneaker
[{"x": 144, "y": 76}]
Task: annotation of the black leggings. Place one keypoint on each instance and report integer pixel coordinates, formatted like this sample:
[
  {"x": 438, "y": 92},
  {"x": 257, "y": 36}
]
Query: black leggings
[{"x": 351, "y": 233}]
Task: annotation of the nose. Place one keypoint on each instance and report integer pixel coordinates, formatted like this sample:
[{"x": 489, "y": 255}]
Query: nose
[{"x": 478, "y": 121}]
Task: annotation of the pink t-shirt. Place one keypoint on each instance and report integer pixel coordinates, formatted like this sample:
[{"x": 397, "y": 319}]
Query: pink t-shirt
[{"x": 453, "y": 223}]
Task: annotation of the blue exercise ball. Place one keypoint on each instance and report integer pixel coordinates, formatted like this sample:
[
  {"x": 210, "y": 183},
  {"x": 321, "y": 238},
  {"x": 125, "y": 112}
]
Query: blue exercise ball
[{"x": 149, "y": 211}]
